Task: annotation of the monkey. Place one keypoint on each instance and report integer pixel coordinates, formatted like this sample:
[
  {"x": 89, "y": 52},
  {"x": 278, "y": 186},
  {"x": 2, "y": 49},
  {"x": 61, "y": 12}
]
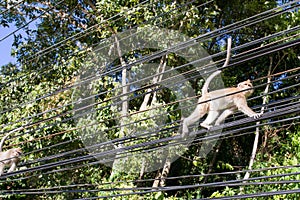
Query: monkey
[
  {"x": 10, "y": 157},
  {"x": 221, "y": 103},
  {"x": 224, "y": 103}
]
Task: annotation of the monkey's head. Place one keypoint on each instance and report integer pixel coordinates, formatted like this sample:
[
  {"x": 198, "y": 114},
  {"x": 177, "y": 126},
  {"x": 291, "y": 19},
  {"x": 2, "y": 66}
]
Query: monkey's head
[
  {"x": 246, "y": 85},
  {"x": 17, "y": 152}
]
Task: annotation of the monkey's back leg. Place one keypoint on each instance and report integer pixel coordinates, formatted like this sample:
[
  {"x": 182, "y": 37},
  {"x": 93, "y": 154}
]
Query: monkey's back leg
[
  {"x": 224, "y": 115},
  {"x": 200, "y": 111}
]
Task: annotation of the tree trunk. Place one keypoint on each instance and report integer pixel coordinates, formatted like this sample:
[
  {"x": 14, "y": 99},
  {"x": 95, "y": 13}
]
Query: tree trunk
[
  {"x": 117, "y": 162},
  {"x": 160, "y": 178},
  {"x": 124, "y": 89},
  {"x": 211, "y": 164},
  {"x": 165, "y": 172},
  {"x": 155, "y": 80},
  {"x": 157, "y": 179}
]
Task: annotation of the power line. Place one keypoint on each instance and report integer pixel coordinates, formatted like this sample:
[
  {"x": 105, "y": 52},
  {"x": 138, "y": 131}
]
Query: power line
[
  {"x": 26, "y": 24},
  {"x": 12, "y": 7},
  {"x": 285, "y": 111},
  {"x": 90, "y": 29},
  {"x": 63, "y": 89},
  {"x": 218, "y": 184},
  {"x": 246, "y": 20},
  {"x": 274, "y": 107},
  {"x": 81, "y": 34},
  {"x": 93, "y": 95},
  {"x": 68, "y": 119},
  {"x": 260, "y": 194},
  {"x": 145, "y": 190}
]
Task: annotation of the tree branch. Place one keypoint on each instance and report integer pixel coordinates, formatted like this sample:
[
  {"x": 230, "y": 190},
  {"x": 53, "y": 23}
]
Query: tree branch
[{"x": 255, "y": 143}]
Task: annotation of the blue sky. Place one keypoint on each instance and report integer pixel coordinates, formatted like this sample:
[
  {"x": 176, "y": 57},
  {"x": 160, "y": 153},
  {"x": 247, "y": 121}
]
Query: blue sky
[{"x": 5, "y": 45}]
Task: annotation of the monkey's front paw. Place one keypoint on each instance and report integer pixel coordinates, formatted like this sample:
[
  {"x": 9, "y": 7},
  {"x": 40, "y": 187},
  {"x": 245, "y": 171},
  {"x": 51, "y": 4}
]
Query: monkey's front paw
[{"x": 257, "y": 115}]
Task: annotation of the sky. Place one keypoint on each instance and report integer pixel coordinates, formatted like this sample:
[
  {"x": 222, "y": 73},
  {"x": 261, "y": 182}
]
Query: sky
[{"x": 6, "y": 45}]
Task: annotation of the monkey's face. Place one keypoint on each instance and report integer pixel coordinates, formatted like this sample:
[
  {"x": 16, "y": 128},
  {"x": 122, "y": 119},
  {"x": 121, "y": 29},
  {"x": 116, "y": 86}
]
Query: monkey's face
[
  {"x": 17, "y": 152},
  {"x": 246, "y": 85}
]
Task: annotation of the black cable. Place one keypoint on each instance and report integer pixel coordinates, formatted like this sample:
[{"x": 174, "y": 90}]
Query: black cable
[
  {"x": 81, "y": 34},
  {"x": 97, "y": 25},
  {"x": 258, "y": 14},
  {"x": 99, "y": 162},
  {"x": 288, "y": 110},
  {"x": 47, "y": 95},
  {"x": 151, "y": 135},
  {"x": 260, "y": 194},
  {"x": 72, "y": 102},
  {"x": 11, "y": 7},
  {"x": 141, "y": 94},
  {"x": 169, "y": 188},
  {"x": 26, "y": 24},
  {"x": 26, "y": 133}
]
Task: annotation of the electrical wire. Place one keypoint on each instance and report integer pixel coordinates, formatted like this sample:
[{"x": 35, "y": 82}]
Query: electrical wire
[
  {"x": 26, "y": 24},
  {"x": 92, "y": 96},
  {"x": 89, "y": 30},
  {"x": 145, "y": 190},
  {"x": 249, "y": 18},
  {"x": 280, "y": 110},
  {"x": 12, "y": 7},
  {"x": 264, "y": 105},
  {"x": 149, "y": 134},
  {"x": 187, "y": 107},
  {"x": 77, "y": 36},
  {"x": 99, "y": 94},
  {"x": 261, "y": 194},
  {"x": 55, "y": 92},
  {"x": 292, "y": 167}
]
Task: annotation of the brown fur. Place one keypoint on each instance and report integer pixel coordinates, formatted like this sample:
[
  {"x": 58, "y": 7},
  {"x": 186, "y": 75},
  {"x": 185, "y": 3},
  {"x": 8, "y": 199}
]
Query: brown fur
[{"x": 220, "y": 108}]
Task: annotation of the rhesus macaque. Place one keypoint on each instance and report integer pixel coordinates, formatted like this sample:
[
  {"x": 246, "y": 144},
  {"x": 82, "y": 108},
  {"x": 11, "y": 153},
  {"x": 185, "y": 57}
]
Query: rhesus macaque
[
  {"x": 9, "y": 158},
  {"x": 223, "y": 104}
]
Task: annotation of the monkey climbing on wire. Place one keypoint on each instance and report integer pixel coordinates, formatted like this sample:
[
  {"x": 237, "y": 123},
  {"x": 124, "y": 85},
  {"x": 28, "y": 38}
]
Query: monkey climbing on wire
[{"x": 219, "y": 104}]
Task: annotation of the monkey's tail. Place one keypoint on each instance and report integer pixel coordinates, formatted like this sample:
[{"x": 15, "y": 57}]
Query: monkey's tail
[
  {"x": 6, "y": 136},
  {"x": 208, "y": 80},
  {"x": 206, "y": 84}
]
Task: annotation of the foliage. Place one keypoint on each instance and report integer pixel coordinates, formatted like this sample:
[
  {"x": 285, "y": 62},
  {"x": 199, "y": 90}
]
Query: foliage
[{"x": 41, "y": 92}]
